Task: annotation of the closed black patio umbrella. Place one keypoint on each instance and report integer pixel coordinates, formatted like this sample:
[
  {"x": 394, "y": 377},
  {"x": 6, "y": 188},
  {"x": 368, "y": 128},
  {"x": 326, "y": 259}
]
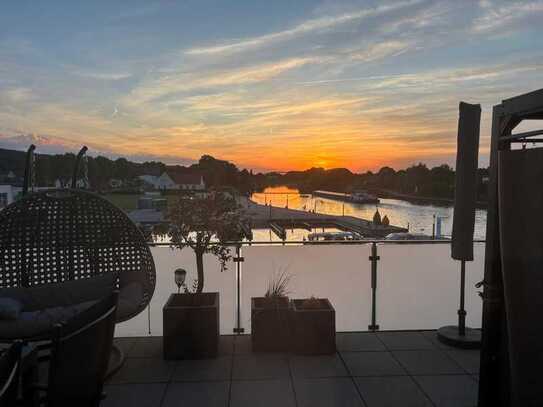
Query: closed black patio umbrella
[{"x": 465, "y": 197}]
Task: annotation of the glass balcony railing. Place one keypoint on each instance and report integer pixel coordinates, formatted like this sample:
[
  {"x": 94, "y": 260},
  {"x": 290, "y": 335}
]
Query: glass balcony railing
[{"x": 417, "y": 284}]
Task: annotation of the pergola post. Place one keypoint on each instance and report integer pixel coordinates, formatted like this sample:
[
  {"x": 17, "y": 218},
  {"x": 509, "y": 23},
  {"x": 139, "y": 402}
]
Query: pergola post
[{"x": 497, "y": 384}]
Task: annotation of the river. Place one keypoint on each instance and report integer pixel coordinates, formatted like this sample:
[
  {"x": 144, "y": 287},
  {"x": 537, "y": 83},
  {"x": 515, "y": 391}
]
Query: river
[{"x": 419, "y": 218}]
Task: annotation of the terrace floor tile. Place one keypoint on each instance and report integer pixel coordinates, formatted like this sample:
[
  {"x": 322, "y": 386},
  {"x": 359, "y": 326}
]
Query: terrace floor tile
[
  {"x": 143, "y": 370},
  {"x": 405, "y": 340},
  {"x": 198, "y": 394},
  {"x": 432, "y": 337},
  {"x": 468, "y": 359},
  {"x": 317, "y": 366},
  {"x": 146, "y": 347},
  {"x": 216, "y": 369},
  {"x": 327, "y": 392},
  {"x": 363, "y": 373},
  {"x": 450, "y": 391},
  {"x": 226, "y": 344},
  {"x": 262, "y": 393},
  {"x": 427, "y": 362},
  {"x": 132, "y": 395},
  {"x": 372, "y": 364},
  {"x": 358, "y": 341},
  {"x": 391, "y": 391},
  {"x": 242, "y": 344},
  {"x": 259, "y": 367}
]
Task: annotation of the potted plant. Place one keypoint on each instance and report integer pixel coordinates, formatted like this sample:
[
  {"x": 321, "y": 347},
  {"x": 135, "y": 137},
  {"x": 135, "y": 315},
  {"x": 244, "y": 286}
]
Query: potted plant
[
  {"x": 191, "y": 323},
  {"x": 270, "y": 317},
  {"x": 204, "y": 223},
  {"x": 313, "y": 326}
]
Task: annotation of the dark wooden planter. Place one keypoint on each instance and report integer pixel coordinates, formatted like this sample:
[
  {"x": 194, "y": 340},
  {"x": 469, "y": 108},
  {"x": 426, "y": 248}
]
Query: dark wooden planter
[
  {"x": 191, "y": 326},
  {"x": 270, "y": 324},
  {"x": 313, "y": 328}
]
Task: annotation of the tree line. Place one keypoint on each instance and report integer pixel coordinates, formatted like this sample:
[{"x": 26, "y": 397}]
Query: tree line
[
  {"x": 100, "y": 170},
  {"x": 416, "y": 180}
]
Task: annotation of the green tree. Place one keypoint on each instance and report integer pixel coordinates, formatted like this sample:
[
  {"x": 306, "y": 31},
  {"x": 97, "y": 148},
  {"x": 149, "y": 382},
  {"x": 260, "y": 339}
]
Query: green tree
[
  {"x": 386, "y": 177},
  {"x": 205, "y": 224}
]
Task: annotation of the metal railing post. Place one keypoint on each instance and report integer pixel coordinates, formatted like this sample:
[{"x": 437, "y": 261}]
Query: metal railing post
[
  {"x": 238, "y": 260},
  {"x": 373, "y": 258}
]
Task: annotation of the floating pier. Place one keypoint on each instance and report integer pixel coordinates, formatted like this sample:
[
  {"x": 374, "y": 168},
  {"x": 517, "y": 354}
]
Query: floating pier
[
  {"x": 278, "y": 230},
  {"x": 279, "y": 219}
]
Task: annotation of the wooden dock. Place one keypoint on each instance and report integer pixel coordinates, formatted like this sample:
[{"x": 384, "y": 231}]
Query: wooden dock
[{"x": 278, "y": 219}]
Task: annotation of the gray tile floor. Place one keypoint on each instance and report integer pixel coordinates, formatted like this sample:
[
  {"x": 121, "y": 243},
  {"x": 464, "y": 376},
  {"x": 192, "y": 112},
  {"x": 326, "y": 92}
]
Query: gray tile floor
[{"x": 373, "y": 370}]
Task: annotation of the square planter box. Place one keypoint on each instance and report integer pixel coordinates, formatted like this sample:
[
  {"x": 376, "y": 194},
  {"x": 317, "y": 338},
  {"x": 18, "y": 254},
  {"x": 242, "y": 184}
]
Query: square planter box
[
  {"x": 191, "y": 326},
  {"x": 270, "y": 324},
  {"x": 313, "y": 328}
]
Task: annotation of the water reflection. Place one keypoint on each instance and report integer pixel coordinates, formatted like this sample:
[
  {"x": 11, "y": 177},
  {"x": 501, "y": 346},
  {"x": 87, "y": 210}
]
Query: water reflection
[{"x": 419, "y": 218}]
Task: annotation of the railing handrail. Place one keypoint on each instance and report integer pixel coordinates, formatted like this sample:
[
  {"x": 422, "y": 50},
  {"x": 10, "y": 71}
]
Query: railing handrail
[{"x": 326, "y": 242}]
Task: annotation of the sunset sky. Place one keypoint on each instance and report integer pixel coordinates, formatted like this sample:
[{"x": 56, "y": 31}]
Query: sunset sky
[{"x": 269, "y": 85}]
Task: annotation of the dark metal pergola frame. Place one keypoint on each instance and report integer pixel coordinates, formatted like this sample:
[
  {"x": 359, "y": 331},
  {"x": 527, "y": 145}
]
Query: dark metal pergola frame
[{"x": 494, "y": 381}]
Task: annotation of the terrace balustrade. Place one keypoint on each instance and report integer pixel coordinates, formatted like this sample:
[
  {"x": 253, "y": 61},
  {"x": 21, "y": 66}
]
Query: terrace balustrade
[{"x": 416, "y": 283}]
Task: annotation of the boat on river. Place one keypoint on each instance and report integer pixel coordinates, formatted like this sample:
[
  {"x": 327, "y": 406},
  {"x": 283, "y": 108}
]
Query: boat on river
[
  {"x": 330, "y": 236},
  {"x": 413, "y": 236},
  {"x": 359, "y": 197}
]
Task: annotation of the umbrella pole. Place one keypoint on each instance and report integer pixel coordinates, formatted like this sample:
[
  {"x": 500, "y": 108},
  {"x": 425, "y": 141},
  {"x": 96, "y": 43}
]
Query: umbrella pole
[
  {"x": 462, "y": 311},
  {"x": 460, "y": 336}
]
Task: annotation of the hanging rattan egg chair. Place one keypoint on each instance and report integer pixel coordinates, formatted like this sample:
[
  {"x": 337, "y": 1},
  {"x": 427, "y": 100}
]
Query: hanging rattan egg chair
[{"x": 55, "y": 237}]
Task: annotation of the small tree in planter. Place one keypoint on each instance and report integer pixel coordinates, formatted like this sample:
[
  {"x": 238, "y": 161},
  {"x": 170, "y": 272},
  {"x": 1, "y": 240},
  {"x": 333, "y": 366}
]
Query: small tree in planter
[
  {"x": 205, "y": 223},
  {"x": 191, "y": 319},
  {"x": 270, "y": 317},
  {"x": 313, "y": 326}
]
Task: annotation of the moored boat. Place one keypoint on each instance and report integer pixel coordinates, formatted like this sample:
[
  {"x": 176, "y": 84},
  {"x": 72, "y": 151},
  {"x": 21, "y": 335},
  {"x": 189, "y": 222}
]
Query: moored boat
[
  {"x": 360, "y": 197},
  {"x": 329, "y": 236}
]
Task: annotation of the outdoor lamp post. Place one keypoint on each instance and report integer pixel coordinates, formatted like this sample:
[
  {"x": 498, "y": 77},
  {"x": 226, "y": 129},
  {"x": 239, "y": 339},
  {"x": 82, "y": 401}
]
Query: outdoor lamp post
[{"x": 179, "y": 276}]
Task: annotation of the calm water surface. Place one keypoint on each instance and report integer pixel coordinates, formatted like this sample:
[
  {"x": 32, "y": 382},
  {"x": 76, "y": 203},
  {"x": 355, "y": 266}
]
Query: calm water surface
[{"x": 419, "y": 218}]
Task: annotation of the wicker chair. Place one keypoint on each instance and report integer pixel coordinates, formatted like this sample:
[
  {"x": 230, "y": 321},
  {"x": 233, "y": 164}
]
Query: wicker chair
[
  {"x": 63, "y": 236},
  {"x": 85, "y": 340},
  {"x": 10, "y": 362}
]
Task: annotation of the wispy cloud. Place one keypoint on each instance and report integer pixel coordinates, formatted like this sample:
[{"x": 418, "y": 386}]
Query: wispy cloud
[
  {"x": 499, "y": 15},
  {"x": 45, "y": 143},
  {"x": 105, "y": 76},
  {"x": 304, "y": 28},
  {"x": 17, "y": 95},
  {"x": 154, "y": 89},
  {"x": 381, "y": 50}
]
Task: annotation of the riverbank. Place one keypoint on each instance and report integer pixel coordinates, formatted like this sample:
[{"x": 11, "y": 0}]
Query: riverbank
[
  {"x": 385, "y": 193},
  {"x": 419, "y": 217}
]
